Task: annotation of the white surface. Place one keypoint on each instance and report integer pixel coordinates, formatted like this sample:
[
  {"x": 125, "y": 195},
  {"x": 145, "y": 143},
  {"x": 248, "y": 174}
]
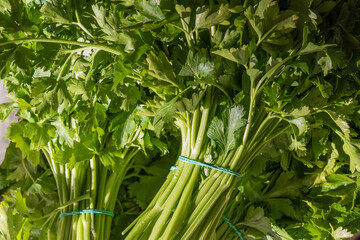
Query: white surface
[{"x": 4, "y": 125}]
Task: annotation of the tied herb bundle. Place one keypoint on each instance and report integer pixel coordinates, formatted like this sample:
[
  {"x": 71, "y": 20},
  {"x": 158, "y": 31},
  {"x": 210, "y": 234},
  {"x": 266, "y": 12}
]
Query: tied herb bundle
[
  {"x": 252, "y": 72},
  {"x": 77, "y": 111}
]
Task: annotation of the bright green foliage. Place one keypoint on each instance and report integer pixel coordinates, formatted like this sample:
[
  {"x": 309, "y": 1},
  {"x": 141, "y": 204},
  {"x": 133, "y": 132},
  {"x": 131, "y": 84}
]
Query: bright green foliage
[
  {"x": 71, "y": 78},
  {"x": 269, "y": 89}
]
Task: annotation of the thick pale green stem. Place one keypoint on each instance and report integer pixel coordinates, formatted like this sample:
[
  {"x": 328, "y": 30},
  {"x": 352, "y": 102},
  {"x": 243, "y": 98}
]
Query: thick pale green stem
[
  {"x": 100, "y": 202},
  {"x": 199, "y": 214},
  {"x": 182, "y": 206},
  {"x": 170, "y": 202}
]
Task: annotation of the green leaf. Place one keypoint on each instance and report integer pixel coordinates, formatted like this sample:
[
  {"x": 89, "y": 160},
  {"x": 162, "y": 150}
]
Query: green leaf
[
  {"x": 206, "y": 17},
  {"x": 6, "y": 222},
  {"x": 164, "y": 114},
  {"x": 300, "y": 112},
  {"x": 13, "y": 226},
  {"x": 5, "y": 5},
  {"x": 216, "y": 132},
  {"x": 5, "y": 109},
  {"x": 39, "y": 134},
  {"x": 100, "y": 14},
  {"x": 20, "y": 202},
  {"x": 352, "y": 149},
  {"x": 184, "y": 12},
  {"x": 111, "y": 157},
  {"x": 160, "y": 145},
  {"x": 255, "y": 219},
  {"x": 23, "y": 57},
  {"x": 23, "y": 104},
  {"x": 287, "y": 20},
  {"x": 15, "y": 133},
  {"x": 194, "y": 101},
  {"x": 253, "y": 73},
  {"x": 54, "y": 14},
  {"x": 311, "y": 48},
  {"x": 237, "y": 55},
  {"x": 287, "y": 185},
  {"x": 326, "y": 6},
  {"x": 235, "y": 122},
  {"x": 78, "y": 88},
  {"x": 262, "y": 7},
  {"x": 319, "y": 140},
  {"x": 160, "y": 68},
  {"x": 129, "y": 128},
  {"x": 341, "y": 233},
  {"x": 63, "y": 133},
  {"x": 340, "y": 123},
  {"x": 282, "y": 233},
  {"x": 150, "y": 9},
  {"x": 301, "y": 125},
  {"x": 325, "y": 64},
  {"x": 279, "y": 207},
  {"x": 226, "y": 132},
  {"x": 73, "y": 156},
  {"x": 325, "y": 87},
  {"x": 43, "y": 184},
  {"x": 197, "y": 65},
  {"x": 14, "y": 165},
  {"x": 334, "y": 181},
  {"x": 130, "y": 95}
]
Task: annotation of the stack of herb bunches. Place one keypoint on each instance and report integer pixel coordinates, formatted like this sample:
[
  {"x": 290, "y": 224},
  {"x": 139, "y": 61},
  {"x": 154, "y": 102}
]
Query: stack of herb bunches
[{"x": 98, "y": 83}]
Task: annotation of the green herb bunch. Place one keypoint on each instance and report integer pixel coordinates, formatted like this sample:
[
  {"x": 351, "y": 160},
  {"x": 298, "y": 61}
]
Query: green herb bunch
[{"x": 100, "y": 83}]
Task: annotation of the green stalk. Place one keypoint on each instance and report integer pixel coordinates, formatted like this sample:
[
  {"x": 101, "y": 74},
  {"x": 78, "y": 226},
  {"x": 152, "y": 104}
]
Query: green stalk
[
  {"x": 93, "y": 189},
  {"x": 211, "y": 182},
  {"x": 78, "y": 23},
  {"x": 60, "y": 41},
  {"x": 209, "y": 229},
  {"x": 171, "y": 201},
  {"x": 267, "y": 76},
  {"x": 100, "y": 202},
  {"x": 167, "y": 186},
  {"x": 74, "y": 225},
  {"x": 221, "y": 230},
  {"x": 119, "y": 179},
  {"x": 194, "y": 127},
  {"x": 201, "y": 211},
  {"x": 205, "y": 198},
  {"x": 87, "y": 219},
  {"x": 79, "y": 229},
  {"x": 107, "y": 193},
  {"x": 208, "y": 106},
  {"x": 182, "y": 206}
]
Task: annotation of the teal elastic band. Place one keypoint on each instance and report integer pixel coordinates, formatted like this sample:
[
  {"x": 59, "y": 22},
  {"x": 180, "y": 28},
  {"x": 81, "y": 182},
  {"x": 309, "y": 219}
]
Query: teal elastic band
[
  {"x": 97, "y": 211},
  {"x": 173, "y": 168},
  {"x": 181, "y": 158},
  {"x": 232, "y": 226}
]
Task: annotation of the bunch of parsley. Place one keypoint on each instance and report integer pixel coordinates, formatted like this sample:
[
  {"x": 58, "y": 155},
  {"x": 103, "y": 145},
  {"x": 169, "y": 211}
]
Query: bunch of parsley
[{"x": 99, "y": 85}]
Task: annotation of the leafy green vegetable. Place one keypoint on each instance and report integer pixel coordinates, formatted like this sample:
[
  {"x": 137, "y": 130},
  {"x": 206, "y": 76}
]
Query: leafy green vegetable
[{"x": 265, "y": 88}]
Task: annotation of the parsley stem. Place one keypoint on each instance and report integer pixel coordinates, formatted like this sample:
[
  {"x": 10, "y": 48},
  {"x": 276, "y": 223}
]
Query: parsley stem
[
  {"x": 80, "y": 24},
  {"x": 60, "y": 41}
]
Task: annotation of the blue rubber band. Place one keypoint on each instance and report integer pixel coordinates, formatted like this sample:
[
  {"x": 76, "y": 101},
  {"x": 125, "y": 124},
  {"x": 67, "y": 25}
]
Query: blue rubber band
[
  {"x": 97, "y": 211},
  {"x": 232, "y": 226},
  {"x": 173, "y": 168},
  {"x": 184, "y": 159}
]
